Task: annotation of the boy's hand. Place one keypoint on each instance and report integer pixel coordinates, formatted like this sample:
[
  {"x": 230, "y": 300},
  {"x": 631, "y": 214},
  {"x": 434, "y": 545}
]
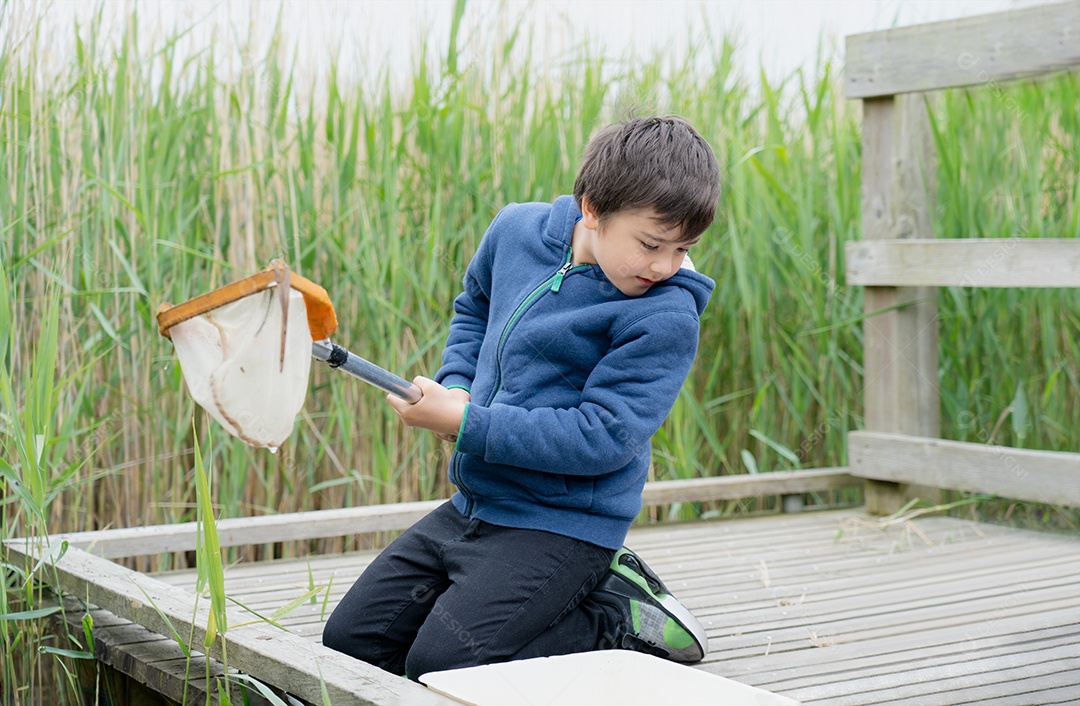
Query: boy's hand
[
  {"x": 439, "y": 410},
  {"x": 464, "y": 396}
]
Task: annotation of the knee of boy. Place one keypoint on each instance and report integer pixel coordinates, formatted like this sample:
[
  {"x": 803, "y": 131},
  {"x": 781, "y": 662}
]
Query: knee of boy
[
  {"x": 420, "y": 662},
  {"x": 427, "y": 657},
  {"x": 332, "y": 636}
]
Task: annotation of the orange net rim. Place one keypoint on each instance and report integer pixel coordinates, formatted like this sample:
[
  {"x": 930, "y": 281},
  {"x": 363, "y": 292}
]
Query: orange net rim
[{"x": 322, "y": 321}]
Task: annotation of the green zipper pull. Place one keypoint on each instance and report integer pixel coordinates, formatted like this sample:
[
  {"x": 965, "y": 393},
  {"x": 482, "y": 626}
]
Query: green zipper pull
[{"x": 562, "y": 271}]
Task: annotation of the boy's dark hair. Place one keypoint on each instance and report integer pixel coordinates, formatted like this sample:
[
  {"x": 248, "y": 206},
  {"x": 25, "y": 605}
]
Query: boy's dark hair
[{"x": 658, "y": 162}]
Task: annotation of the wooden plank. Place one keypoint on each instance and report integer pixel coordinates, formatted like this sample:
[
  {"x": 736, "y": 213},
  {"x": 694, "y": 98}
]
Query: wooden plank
[
  {"x": 808, "y": 667},
  {"x": 972, "y": 51},
  {"x": 893, "y": 616},
  {"x": 133, "y": 650},
  {"x": 829, "y": 620},
  {"x": 797, "y": 622},
  {"x": 315, "y": 524},
  {"x": 138, "y": 653},
  {"x": 877, "y": 657},
  {"x": 833, "y": 532},
  {"x": 759, "y": 607},
  {"x": 885, "y": 619},
  {"x": 1051, "y": 477},
  {"x": 747, "y": 486},
  {"x": 852, "y": 542},
  {"x": 165, "y": 674},
  {"x": 278, "y": 658},
  {"x": 749, "y": 605},
  {"x": 941, "y": 680},
  {"x": 854, "y": 638},
  {"x": 900, "y": 342},
  {"x": 960, "y": 663},
  {"x": 1041, "y": 690},
  {"x": 847, "y": 576},
  {"x": 991, "y": 262},
  {"x": 101, "y": 618}
]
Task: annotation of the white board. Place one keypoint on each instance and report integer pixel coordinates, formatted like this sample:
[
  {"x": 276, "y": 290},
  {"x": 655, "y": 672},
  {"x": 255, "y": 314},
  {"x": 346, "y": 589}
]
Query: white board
[{"x": 616, "y": 677}]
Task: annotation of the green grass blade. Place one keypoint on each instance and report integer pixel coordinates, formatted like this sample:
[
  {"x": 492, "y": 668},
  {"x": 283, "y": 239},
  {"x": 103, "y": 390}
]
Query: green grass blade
[
  {"x": 74, "y": 654},
  {"x": 209, "y": 554},
  {"x": 295, "y": 603},
  {"x": 31, "y": 614}
]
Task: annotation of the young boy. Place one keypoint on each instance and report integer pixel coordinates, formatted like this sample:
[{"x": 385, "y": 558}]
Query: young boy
[{"x": 574, "y": 333}]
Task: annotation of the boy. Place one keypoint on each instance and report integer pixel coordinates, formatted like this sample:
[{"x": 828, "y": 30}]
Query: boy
[{"x": 574, "y": 333}]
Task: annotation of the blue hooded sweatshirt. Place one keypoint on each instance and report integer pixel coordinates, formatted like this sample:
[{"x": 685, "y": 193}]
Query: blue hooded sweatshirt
[{"x": 568, "y": 377}]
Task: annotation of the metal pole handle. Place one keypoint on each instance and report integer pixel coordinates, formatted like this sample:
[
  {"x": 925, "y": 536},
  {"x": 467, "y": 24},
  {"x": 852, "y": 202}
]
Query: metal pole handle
[{"x": 337, "y": 357}]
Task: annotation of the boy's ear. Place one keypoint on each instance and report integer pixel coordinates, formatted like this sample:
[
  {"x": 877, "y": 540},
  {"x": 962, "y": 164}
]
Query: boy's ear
[{"x": 588, "y": 216}]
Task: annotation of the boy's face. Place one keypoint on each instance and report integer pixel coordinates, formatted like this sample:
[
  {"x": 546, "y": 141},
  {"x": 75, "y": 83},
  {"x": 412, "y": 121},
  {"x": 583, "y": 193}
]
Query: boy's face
[{"x": 632, "y": 248}]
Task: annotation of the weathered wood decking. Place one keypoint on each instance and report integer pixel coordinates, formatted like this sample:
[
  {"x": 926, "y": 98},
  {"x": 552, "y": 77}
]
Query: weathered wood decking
[{"x": 828, "y": 607}]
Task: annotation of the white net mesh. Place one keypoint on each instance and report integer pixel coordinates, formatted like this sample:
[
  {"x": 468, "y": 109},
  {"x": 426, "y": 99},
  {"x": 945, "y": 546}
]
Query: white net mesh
[{"x": 232, "y": 362}]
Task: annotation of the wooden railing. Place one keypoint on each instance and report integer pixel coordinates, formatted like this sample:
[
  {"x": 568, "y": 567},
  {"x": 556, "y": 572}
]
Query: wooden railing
[
  {"x": 317, "y": 524},
  {"x": 901, "y": 264}
]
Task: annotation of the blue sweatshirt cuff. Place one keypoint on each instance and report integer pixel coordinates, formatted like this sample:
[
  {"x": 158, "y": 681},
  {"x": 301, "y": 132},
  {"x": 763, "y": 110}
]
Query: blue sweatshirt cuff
[
  {"x": 461, "y": 427},
  {"x": 472, "y": 437},
  {"x": 454, "y": 380}
]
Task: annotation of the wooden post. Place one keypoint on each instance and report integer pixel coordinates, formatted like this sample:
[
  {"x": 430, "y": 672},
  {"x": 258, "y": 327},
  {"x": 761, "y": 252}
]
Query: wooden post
[{"x": 900, "y": 345}]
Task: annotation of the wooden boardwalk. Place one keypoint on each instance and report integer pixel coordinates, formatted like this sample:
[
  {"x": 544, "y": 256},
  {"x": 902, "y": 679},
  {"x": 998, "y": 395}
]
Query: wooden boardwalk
[{"x": 827, "y": 607}]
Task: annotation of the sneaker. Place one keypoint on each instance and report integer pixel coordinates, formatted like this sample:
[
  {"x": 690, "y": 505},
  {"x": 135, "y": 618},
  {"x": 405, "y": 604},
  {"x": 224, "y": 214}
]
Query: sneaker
[{"x": 655, "y": 622}]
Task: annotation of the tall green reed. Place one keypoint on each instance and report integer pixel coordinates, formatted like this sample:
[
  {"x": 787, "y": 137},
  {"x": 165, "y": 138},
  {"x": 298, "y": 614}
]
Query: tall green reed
[
  {"x": 35, "y": 470},
  {"x": 136, "y": 176}
]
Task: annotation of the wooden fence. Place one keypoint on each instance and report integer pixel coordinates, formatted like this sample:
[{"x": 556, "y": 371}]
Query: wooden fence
[{"x": 900, "y": 262}]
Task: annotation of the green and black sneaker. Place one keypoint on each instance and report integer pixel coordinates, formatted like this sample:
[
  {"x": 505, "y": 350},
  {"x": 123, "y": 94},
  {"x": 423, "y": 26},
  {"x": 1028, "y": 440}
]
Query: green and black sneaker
[{"x": 654, "y": 621}]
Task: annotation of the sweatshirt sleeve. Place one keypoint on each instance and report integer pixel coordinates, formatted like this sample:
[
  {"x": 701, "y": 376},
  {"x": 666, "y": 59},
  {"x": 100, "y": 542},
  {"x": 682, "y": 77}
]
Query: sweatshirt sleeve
[
  {"x": 625, "y": 400},
  {"x": 467, "y": 328}
]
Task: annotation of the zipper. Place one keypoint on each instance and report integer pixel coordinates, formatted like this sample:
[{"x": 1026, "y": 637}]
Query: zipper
[
  {"x": 552, "y": 283},
  {"x": 562, "y": 272},
  {"x": 455, "y": 478}
]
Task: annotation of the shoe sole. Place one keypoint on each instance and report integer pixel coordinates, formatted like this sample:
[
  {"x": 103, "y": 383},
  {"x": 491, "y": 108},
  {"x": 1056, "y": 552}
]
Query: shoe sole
[{"x": 665, "y": 602}]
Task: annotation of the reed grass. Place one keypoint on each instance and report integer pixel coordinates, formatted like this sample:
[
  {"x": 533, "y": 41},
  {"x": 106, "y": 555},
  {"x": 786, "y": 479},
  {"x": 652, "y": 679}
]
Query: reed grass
[{"x": 136, "y": 176}]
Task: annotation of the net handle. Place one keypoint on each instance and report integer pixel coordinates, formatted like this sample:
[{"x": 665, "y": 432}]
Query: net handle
[
  {"x": 346, "y": 361},
  {"x": 320, "y": 311}
]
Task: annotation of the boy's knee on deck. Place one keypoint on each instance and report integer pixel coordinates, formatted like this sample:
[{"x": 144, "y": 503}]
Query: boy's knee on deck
[
  {"x": 338, "y": 635},
  {"x": 443, "y": 643}
]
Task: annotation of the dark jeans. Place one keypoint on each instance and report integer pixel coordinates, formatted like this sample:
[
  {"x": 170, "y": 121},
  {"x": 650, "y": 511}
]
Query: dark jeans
[{"x": 452, "y": 592}]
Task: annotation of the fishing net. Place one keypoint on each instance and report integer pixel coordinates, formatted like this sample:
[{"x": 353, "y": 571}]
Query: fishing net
[{"x": 245, "y": 350}]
